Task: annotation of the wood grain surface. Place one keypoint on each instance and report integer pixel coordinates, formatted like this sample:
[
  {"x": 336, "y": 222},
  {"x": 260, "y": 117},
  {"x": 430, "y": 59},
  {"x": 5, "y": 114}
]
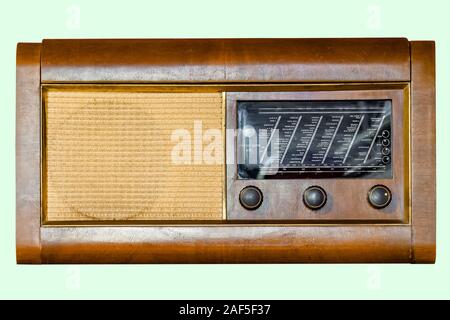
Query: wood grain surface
[
  {"x": 226, "y": 244},
  {"x": 423, "y": 143},
  {"x": 225, "y": 60},
  {"x": 28, "y": 153}
]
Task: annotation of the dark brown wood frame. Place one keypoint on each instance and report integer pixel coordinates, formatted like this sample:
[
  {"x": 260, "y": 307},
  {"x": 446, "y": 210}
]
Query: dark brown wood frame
[{"x": 337, "y": 62}]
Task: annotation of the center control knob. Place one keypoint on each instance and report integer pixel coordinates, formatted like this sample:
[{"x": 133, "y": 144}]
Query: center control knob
[
  {"x": 379, "y": 196},
  {"x": 314, "y": 197}
]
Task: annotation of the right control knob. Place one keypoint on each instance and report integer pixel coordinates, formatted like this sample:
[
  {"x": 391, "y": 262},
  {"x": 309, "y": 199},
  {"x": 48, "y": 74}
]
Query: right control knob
[{"x": 379, "y": 196}]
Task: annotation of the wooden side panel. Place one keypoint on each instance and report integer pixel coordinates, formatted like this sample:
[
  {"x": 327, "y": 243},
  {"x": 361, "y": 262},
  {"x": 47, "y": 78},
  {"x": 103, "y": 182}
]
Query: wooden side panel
[
  {"x": 423, "y": 144},
  {"x": 225, "y": 60},
  {"x": 28, "y": 153},
  {"x": 226, "y": 244}
]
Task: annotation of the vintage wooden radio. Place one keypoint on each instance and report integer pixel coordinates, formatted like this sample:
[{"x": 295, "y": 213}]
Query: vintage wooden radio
[{"x": 225, "y": 151}]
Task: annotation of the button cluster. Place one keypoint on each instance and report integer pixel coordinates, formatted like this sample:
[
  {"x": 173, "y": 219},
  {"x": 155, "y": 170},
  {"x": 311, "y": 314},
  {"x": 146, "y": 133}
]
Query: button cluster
[
  {"x": 386, "y": 143},
  {"x": 315, "y": 197}
]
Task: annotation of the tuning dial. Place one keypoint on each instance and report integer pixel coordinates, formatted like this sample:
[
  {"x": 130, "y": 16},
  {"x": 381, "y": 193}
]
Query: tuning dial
[
  {"x": 379, "y": 196},
  {"x": 250, "y": 198},
  {"x": 314, "y": 197}
]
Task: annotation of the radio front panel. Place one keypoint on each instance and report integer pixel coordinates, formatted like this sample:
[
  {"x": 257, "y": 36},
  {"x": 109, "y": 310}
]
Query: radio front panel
[
  {"x": 148, "y": 156},
  {"x": 225, "y": 150}
]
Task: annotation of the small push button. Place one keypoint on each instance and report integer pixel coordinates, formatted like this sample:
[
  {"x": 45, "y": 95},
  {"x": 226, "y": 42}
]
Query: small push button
[
  {"x": 379, "y": 196},
  {"x": 386, "y": 159},
  {"x": 314, "y": 197}
]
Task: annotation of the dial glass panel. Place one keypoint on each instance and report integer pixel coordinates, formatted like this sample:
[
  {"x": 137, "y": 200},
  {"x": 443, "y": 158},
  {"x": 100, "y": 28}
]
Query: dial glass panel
[{"x": 314, "y": 139}]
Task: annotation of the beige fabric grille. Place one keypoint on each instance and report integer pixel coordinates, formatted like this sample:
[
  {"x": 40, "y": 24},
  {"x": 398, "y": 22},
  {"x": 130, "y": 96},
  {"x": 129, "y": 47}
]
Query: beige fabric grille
[{"x": 107, "y": 156}]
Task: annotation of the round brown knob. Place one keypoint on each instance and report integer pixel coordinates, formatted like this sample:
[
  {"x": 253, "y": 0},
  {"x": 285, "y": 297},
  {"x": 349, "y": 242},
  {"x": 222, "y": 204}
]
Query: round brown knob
[
  {"x": 314, "y": 197},
  {"x": 250, "y": 198},
  {"x": 379, "y": 196}
]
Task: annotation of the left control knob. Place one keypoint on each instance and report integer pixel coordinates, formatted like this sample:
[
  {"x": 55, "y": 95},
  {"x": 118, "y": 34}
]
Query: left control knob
[{"x": 250, "y": 198}]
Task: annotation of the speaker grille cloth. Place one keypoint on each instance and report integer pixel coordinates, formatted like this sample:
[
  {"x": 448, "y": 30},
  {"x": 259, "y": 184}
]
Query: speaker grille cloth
[{"x": 108, "y": 156}]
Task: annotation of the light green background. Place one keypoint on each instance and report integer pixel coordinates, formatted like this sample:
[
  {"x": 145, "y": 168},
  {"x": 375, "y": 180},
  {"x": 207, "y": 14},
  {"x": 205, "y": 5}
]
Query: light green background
[{"x": 34, "y": 20}]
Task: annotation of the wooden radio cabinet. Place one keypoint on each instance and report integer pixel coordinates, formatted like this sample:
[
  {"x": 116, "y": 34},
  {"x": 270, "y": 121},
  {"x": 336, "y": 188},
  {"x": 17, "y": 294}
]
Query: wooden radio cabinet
[{"x": 225, "y": 151}]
